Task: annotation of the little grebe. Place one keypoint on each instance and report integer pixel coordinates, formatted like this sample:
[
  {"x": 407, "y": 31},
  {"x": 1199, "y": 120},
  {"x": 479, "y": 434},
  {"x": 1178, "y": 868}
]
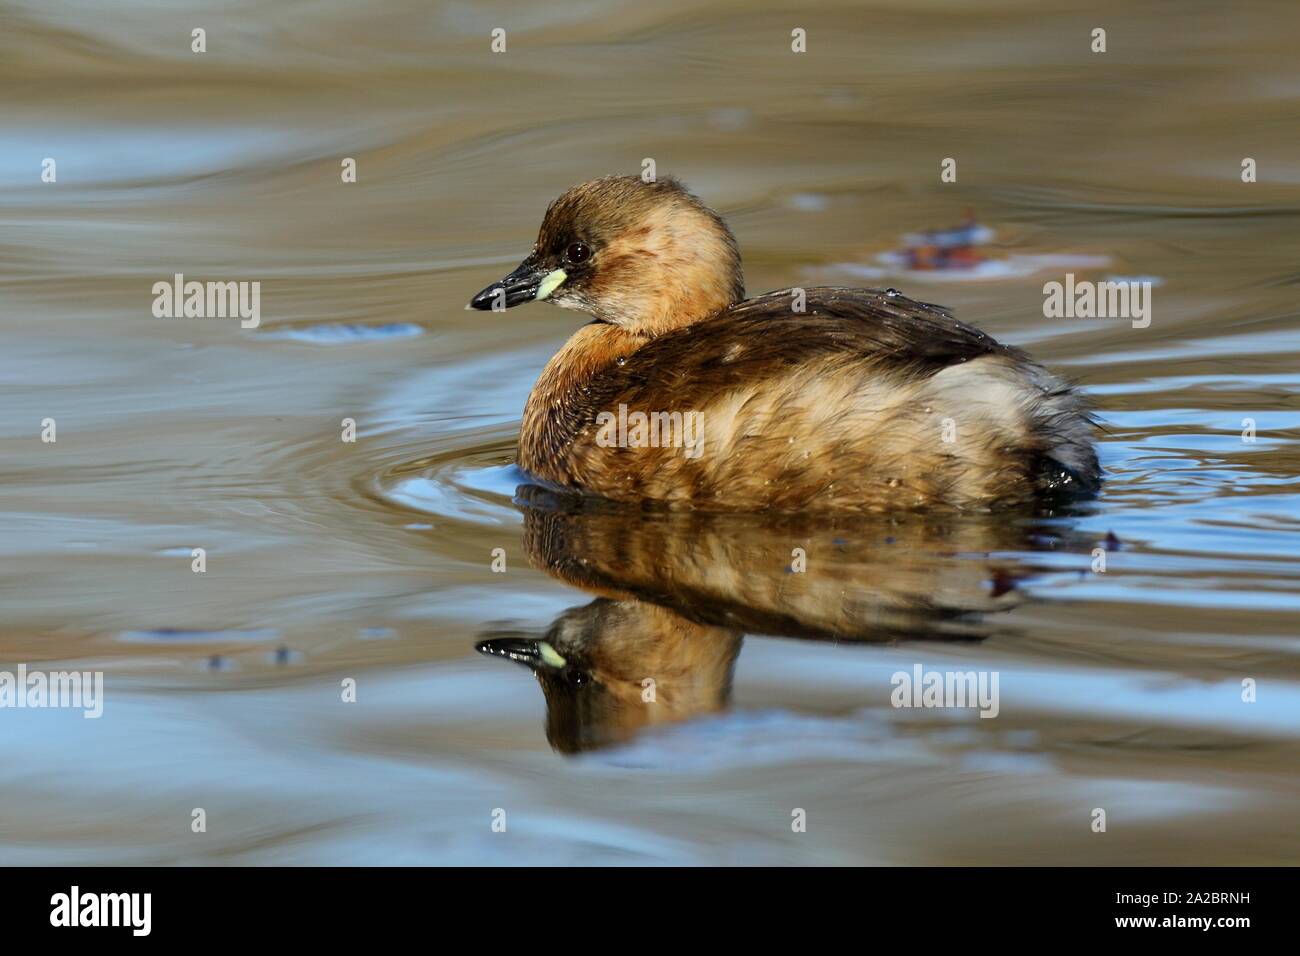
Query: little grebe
[{"x": 798, "y": 400}]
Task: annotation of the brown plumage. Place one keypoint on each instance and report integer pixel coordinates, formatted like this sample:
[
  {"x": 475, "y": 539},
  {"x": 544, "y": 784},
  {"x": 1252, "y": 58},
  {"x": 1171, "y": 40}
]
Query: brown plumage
[{"x": 822, "y": 399}]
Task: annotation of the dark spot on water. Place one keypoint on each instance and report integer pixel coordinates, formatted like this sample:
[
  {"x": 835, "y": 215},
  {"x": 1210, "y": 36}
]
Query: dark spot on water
[
  {"x": 1001, "y": 582},
  {"x": 178, "y": 635},
  {"x": 346, "y": 333}
]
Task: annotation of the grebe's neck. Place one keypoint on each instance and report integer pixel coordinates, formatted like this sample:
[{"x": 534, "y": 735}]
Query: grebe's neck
[{"x": 557, "y": 406}]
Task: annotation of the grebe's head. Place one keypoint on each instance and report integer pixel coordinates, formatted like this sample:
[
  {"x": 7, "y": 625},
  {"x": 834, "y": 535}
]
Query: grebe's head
[{"x": 649, "y": 257}]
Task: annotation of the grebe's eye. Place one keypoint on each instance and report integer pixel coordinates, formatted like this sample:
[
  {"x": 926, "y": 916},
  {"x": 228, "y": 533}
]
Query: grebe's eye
[{"x": 577, "y": 253}]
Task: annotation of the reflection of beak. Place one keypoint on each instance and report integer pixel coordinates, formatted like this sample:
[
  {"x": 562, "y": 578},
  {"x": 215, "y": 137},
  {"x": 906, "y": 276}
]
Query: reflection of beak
[
  {"x": 532, "y": 654},
  {"x": 531, "y": 281}
]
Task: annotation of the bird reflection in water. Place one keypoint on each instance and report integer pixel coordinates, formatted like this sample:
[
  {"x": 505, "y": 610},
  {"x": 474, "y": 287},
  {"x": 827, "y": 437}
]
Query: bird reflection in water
[{"x": 677, "y": 591}]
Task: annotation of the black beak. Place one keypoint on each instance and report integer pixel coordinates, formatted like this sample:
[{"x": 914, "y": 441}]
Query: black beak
[
  {"x": 515, "y": 289},
  {"x": 521, "y": 650}
]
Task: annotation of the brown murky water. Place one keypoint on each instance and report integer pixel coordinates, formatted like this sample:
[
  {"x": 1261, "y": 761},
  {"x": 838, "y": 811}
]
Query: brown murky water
[{"x": 329, "y": 560}]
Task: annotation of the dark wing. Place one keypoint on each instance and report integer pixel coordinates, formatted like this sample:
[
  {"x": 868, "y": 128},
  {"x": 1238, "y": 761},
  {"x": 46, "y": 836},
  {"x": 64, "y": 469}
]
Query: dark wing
[
  {"x": 891, "y": 333},
  {"x": 882, "y": 325}
]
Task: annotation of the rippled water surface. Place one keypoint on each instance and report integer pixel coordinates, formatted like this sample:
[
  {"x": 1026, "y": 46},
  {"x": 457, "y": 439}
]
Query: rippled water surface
[{"x": 329, "y": 560}]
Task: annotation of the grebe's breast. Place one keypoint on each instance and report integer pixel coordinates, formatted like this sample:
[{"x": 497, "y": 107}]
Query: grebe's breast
[{"x": 864, "y": 400}]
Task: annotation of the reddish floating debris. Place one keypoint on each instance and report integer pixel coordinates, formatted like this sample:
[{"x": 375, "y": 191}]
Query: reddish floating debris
[{"x": 947, "y": 249}]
